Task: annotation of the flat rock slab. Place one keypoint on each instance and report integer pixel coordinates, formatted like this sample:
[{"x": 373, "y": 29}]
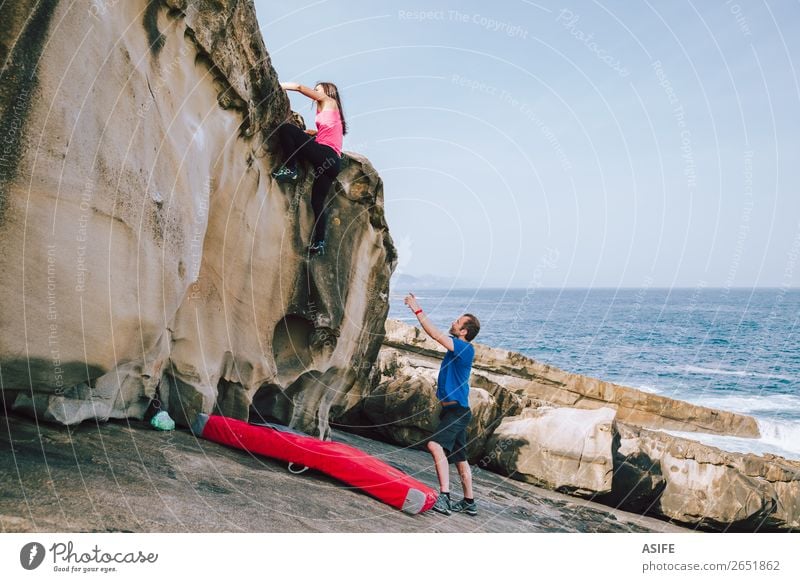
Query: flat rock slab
[{"x": 124, "y": 476}]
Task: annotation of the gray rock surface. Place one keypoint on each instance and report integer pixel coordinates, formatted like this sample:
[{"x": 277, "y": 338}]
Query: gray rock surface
[{"x": 124, "y": 476}]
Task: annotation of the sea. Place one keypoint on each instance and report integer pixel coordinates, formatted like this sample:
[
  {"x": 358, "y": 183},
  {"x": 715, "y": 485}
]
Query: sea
[{"x": 728, "y": 348}]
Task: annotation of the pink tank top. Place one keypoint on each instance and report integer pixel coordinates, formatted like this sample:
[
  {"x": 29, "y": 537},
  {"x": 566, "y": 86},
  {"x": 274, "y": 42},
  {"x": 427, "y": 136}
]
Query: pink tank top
[{"x": 329, "y": 129}]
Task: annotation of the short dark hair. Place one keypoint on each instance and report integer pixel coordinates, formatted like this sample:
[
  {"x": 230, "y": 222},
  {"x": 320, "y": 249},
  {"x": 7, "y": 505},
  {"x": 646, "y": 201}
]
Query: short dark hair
[{"x": 472, "y": 325}]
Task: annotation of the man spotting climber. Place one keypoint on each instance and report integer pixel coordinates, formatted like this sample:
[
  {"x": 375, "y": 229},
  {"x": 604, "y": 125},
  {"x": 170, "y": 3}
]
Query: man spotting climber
[{"x": 449, "y": 443}]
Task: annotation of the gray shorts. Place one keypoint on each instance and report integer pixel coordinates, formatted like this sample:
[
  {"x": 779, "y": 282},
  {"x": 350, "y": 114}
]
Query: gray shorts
[{"x": 451, "y": 433}]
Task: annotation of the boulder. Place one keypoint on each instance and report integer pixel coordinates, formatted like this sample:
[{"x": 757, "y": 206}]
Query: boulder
[
  {"x": 147, "y": 251},
  {"x": 701, "y": 485},
  {"x": 566, "y": 449}
]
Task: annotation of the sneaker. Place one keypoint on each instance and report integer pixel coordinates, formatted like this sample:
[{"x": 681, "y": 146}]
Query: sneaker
[
  {"x": 466, "y": 507},
  {"x": 317, "y": 248},
  {"x": 442, "y": 504},
  {"x": 284, "y": 174}
]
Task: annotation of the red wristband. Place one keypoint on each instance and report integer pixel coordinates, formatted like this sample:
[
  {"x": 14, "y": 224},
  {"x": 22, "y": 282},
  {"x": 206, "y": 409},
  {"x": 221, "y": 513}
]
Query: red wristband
[{"x": 417, "y": 312}]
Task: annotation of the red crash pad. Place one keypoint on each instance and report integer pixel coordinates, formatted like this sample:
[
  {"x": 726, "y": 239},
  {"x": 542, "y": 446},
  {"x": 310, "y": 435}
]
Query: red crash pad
[{"x": 341, "y": 461}]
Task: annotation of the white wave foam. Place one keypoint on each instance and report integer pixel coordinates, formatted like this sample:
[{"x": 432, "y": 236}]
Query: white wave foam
[
  {"x": 648, "y": 388},
  {"x": 774, "y": 403},
  {"x": 781, "y": 434},
  {"x": 782, "y": 441},
  {"x": 741, "y": 373}
]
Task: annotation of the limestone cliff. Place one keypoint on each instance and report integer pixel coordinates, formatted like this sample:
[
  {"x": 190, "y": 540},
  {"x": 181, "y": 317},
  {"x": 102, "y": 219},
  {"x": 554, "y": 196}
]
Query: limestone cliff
[{"x": 146, "y": 248}]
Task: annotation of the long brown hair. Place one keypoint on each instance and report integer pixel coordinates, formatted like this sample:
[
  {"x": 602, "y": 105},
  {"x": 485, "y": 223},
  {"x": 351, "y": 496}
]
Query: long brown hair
[{"x": 333, "y": 92}]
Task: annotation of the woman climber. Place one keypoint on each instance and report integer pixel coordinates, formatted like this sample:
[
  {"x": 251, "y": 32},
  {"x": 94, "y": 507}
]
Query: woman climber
[{"x": 321, "y": 147}]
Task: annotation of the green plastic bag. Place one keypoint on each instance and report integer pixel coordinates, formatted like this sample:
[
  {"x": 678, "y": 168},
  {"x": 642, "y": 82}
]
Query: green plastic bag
[{"x": 162, "y": 421}]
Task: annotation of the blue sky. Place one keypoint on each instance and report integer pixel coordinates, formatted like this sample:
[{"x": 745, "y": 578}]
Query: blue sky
[{"x": 572, "y": 144}]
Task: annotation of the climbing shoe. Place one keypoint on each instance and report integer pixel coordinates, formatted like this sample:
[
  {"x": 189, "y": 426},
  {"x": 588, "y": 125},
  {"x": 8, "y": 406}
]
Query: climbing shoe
[
  {"x": 442, "y": 504},
  {"x": 317, "y": 248},
  {"x": 285, "y": 174},
  {"x": 468, "y": 507}
]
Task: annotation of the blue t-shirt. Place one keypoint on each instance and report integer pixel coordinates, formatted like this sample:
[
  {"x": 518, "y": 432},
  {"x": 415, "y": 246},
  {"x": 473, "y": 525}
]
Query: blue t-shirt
[{"x": 453, "y": 383}]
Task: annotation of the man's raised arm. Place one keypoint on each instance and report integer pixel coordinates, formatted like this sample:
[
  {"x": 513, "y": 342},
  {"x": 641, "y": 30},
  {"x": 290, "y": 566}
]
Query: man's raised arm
[{"x": 426, "y": 323}]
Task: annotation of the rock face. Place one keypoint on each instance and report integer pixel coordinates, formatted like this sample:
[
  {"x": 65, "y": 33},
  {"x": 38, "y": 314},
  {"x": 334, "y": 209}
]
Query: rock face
[
  {"x": 565, "y": 449},
  {"x": 146, "y": 249},
  {"x": 694, "y": 483}
]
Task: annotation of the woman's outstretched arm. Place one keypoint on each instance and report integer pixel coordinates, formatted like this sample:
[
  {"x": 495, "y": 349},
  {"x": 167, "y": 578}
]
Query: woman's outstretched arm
[{"x": 307, "y": 91}]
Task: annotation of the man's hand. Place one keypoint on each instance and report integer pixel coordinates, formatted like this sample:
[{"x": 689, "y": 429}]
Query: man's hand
[
  {"x": 444, "y": 339},
  {"x": 411, "y": 301}
]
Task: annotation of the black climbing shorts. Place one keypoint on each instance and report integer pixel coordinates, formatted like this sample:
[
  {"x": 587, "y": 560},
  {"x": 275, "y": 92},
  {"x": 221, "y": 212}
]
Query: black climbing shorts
[{"x": 451, "y": 433}]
